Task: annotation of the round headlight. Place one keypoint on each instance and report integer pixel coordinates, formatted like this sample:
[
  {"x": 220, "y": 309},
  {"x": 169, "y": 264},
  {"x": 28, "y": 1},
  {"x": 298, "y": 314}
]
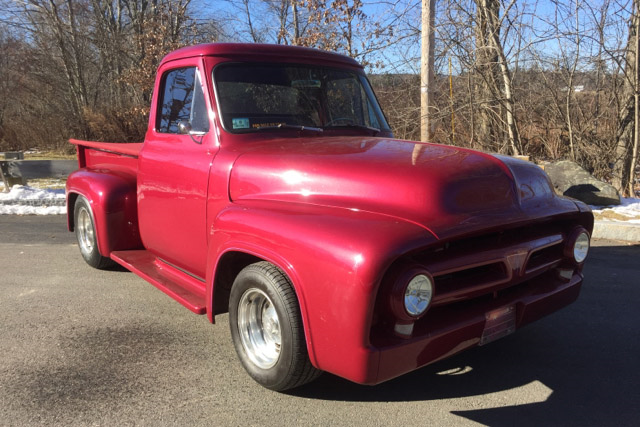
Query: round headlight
[
  {"x": 581, "y": 247},
  {"x": 417, "y": 295}
]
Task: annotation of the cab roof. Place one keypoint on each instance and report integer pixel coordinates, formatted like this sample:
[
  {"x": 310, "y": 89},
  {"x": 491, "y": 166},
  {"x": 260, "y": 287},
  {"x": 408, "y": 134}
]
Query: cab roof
[{"x": 260, "y": 51}]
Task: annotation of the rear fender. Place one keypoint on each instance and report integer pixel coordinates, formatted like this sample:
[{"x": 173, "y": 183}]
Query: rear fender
[{"x": 112, "y": 197}]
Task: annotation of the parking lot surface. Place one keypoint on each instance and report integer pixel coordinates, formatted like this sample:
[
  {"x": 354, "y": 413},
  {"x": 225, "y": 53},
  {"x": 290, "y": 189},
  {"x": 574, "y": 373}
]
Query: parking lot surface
[{"x": 80, "y": 346}]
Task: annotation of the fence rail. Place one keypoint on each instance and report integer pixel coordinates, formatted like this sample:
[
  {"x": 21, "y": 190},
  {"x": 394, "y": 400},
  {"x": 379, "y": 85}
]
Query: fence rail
[{"x": 19, "y": 171}]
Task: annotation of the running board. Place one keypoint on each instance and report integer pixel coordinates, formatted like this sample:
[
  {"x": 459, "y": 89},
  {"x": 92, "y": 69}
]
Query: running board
[{"x": 182, "y": 287}]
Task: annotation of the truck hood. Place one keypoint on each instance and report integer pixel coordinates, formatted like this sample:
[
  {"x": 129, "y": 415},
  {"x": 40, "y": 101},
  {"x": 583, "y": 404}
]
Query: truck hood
[{"x": 447, "y": 190}]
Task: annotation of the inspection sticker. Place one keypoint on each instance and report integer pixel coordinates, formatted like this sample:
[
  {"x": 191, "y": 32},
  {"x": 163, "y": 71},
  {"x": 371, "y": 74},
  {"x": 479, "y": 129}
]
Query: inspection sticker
[{"x": 240, "y": 123}]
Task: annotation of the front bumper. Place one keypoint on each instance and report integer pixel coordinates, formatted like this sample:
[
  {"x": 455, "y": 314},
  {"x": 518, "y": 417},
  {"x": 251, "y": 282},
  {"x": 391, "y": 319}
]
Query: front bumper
[{"x": 453, "y": 328}]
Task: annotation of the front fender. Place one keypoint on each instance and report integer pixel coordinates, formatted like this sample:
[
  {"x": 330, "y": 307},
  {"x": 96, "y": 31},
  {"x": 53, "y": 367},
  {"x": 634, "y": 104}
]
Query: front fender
[
  {"x": 112, "y": 196},
  {"x": 335, "y": 259}
]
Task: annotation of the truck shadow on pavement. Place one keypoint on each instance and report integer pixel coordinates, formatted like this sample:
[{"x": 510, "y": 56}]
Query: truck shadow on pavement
[{"x": 575, "y": 367}]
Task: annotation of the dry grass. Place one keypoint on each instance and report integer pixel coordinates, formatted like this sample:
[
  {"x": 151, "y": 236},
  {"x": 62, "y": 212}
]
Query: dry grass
[
  {"x": 47, "y": 183},
  {"x": 50, "y": 155},
  {"x": 611, "y": 215}
]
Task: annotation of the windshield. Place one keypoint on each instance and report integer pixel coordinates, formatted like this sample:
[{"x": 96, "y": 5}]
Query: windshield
[{"x": 254, "y": 97}]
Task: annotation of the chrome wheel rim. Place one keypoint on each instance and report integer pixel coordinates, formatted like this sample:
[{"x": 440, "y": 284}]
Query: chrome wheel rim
[
  {"x": 86, "y": 237},
  {"x": 259, "y": 328}
]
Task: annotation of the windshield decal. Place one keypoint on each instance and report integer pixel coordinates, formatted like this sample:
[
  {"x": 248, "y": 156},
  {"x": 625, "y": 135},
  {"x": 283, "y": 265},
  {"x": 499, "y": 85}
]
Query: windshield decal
[
  {"x": 269, "y": 124},
  {"x": 240, "y": 123}
]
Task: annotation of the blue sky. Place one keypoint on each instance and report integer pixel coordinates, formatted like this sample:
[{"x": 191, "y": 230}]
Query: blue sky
[{"x": 538, "y": 16}]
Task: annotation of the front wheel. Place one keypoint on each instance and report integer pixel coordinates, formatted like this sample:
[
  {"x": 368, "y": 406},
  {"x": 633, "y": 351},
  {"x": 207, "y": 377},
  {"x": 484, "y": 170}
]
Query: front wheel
[
  {"x": 84, "y": 226},
  {"x": 266, "y": 328}
]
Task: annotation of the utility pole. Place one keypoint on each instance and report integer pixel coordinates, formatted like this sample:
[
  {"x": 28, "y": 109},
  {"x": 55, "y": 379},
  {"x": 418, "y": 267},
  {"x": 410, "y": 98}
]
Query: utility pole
[{"x": 427, "y": 77}]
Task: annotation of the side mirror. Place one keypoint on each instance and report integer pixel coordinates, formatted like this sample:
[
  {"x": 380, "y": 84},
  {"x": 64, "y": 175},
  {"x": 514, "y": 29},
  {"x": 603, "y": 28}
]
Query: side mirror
[{"x": 184, "y": 127}]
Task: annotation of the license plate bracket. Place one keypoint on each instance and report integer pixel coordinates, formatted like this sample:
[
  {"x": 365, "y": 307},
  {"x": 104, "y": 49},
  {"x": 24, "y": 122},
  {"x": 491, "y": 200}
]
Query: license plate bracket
[{"x": 498, "y": 324}]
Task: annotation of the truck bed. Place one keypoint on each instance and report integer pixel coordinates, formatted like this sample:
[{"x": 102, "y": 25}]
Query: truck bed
[{"x": 93, "y": 154}]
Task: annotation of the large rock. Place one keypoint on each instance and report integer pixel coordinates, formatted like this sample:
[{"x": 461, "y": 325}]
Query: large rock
[{"x": 571, "y": 180}]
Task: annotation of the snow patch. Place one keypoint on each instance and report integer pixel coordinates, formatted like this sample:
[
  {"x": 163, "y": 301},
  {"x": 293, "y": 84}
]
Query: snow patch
[
  {"x": 25, "y": 200},
  {"x": 629, "y": 208},
  {"x": 23, "y": 192},
  {"x": 32, "y": 210}
]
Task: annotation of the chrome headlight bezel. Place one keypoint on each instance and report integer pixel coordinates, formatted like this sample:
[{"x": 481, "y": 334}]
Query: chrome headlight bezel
[
  {"x": 418, "y": 294},
  {"x": 578, "y": 244},
  {"x": 581, "y": 247},
  {"x": 412, "y": 294}
]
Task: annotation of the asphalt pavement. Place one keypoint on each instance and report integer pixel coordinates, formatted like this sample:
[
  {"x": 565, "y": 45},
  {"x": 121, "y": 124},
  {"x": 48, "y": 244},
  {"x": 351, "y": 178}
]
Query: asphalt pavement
[{"x": 80, "y": 346}]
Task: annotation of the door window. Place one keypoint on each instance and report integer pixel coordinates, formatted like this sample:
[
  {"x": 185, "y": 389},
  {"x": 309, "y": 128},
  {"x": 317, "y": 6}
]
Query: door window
[{"x": 182, "y": 100}]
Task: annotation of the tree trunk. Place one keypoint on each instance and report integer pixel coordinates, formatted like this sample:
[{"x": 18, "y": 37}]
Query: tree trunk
[
  {"x": 491, "y": 13},
  {"x": 296, "y": 24},
  {"x": 487, "y": 105},
  {"x": 570, "y": 89},
  {"x": 626, "y": 134}
]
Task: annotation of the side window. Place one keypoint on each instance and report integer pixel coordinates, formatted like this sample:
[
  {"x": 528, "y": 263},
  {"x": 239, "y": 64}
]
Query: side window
[
  {"x": 182, "y": 100},
  {"x": 373, "y": 120}
]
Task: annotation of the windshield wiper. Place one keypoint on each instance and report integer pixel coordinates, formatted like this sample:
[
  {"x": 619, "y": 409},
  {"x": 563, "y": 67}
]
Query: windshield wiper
[
  {"x": 286, "y": 126},
  {"x": 356, "y": 126}
]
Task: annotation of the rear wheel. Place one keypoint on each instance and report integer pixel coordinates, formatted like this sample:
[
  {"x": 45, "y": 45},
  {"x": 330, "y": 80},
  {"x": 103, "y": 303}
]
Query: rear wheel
[
  {"x": 266, "y": 328},
  {"x": 84, "y": 226}
]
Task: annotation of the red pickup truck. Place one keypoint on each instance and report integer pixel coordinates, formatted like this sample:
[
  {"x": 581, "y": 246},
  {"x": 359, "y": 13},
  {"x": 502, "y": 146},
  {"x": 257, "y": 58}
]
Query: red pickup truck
[{"x": 269, "y": 186}]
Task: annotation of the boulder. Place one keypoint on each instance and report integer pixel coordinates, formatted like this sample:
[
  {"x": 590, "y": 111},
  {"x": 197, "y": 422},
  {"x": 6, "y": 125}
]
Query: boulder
[{"x": 572, "y": 180}]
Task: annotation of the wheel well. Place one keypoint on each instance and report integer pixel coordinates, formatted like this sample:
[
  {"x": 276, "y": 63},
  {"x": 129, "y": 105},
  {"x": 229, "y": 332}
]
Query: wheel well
[
  {"x": 71, "y": 204},
  {"x": 230, "y": 264}
]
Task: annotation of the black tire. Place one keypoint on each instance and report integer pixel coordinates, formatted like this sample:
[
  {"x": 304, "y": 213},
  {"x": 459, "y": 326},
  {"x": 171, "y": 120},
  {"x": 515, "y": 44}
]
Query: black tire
[
  {"x": 85, "y": 229},
  {"x": 265, "y": 291}
]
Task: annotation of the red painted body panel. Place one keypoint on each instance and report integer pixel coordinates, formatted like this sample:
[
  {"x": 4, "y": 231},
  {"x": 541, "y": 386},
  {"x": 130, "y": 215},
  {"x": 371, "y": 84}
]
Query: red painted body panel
[
  {"x": 447, "y": 190},
  {"x": 341, "y": 214},
  {"x": 259, "y": 52},
  {"x": 129, "y": 149},
  {"x": 107, "y": 179},
  {"x": 173, "y": 180},
  {"x": 335, "y": 259}
]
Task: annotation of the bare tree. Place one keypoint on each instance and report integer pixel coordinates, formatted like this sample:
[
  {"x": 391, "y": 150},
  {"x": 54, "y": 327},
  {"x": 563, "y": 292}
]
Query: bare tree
[
  {"x": 557, "y": 83},
  {"x": 89, "y": 65},
  {"x": 490, "y": 24},
  {"x": 627, "y": 134}
]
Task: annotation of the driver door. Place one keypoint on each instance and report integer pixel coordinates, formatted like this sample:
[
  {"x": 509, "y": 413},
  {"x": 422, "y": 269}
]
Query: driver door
[{"x": 174, "y": 169}]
